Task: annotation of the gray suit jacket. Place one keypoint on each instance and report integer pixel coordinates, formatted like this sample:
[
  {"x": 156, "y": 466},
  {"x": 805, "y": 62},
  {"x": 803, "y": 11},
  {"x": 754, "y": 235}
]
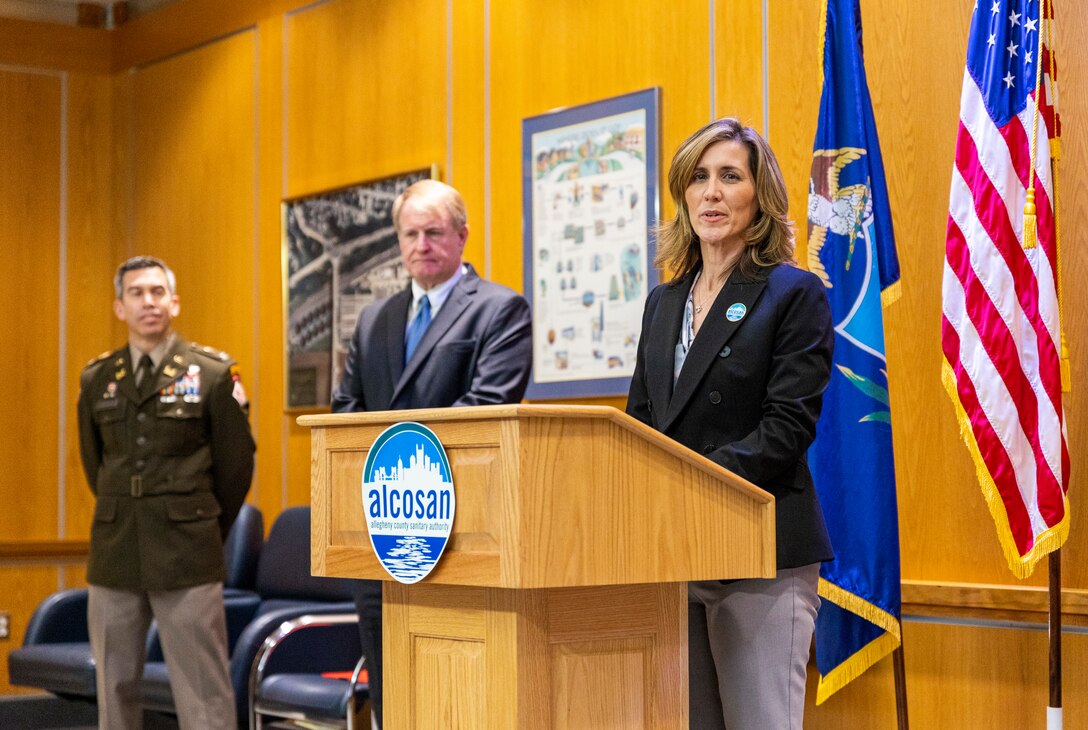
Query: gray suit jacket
[{"x": 477, "y": 351}]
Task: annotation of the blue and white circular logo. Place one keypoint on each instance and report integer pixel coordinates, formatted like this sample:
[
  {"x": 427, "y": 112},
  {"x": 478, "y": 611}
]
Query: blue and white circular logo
[
  {"x": 408, "y": 500},
  {"x": 735, "y": 312}
]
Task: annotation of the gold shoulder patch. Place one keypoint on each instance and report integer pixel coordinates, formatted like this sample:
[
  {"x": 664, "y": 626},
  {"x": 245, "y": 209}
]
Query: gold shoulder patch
[
  {"x": 96, "y": 360},
  {"x": 210, "y": 352}
]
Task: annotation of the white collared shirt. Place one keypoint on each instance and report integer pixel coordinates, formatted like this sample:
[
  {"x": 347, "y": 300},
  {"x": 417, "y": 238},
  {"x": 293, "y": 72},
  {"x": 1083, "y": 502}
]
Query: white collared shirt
[{"x": 436, "y": 295}]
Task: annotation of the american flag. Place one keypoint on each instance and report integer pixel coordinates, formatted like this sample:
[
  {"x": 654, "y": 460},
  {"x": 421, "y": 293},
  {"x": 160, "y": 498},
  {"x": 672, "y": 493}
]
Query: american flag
[{"x": 1001, "y": 330}]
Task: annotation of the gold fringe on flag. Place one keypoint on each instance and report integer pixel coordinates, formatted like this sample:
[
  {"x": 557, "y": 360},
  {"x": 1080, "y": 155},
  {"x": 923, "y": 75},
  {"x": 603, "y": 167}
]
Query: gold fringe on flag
[
  {"x": 855, "y": 666},
  {"x": 869, "y": 654},
  {"x": 1065, "y": 365},
  {"x": 1055, "y": 155},
  {"x": 1022, "y": 566},
  {"x": 890, "y": 294}
]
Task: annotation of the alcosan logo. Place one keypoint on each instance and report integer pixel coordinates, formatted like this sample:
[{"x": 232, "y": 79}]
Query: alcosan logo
[{"x": 408, "y": 500}]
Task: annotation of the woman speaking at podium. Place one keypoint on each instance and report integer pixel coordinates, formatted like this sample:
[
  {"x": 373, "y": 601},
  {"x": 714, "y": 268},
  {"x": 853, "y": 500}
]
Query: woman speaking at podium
[{"x": 733, "y": 360}]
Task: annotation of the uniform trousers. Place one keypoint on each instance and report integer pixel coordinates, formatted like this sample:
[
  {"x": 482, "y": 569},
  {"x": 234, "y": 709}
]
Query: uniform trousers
[
  {"x": 193, "y": 630},
  {"x": 748, "y": 647}
]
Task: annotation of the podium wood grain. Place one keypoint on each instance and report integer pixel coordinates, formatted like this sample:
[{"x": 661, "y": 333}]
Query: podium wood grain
[{"x": 560, "y": 599}]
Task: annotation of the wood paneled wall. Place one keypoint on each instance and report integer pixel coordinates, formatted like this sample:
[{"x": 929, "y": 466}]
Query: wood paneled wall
[
  {"x": 55, "y": 250},
  {"x": 30, "y": 215},
  {"x": 180, "y": 133}
]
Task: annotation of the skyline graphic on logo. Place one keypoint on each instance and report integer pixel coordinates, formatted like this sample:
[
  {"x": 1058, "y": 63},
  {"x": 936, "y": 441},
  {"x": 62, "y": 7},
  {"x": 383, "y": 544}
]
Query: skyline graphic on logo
[{"x": 408, "y": 500}]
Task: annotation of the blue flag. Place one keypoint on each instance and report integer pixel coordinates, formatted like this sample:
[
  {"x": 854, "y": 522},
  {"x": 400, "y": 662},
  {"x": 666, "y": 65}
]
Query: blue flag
[{"x": 851, "y": 248}]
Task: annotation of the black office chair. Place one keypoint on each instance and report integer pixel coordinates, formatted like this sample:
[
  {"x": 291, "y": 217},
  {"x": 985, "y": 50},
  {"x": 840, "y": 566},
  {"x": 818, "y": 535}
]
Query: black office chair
[
  {"x": 56, "y": 651},
  {"x": 284, "y": 590},
  {"x": 312, "y": 699}
]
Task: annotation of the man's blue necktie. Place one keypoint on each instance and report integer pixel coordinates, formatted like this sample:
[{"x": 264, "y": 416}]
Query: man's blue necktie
[{"x": 417, "y": 328}]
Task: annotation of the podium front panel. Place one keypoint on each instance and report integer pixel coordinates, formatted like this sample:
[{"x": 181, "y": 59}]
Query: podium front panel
[
  {"x": 562, "y": 658},
  {"x": 472, "y": 556},
  {"x": 550, "y": 497}
]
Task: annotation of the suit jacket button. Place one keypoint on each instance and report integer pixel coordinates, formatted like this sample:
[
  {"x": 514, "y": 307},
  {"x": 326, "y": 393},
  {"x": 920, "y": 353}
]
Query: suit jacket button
[
  {"x": 140, "y": 464},
  {"x": 726, "y": 351},
  {"x": 708, "y": 448},
  {"x": 141, "y": 440},
  {"x": 141, "y": 417},
  {"x": 715, "y": 397}
]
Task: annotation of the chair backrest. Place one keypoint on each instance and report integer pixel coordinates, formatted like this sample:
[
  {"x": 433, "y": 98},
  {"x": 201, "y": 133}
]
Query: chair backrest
[
  {"x": 283, "y": 571},
  {"x": 242, "y": 548},
  {"x": 287, "y": 590}
]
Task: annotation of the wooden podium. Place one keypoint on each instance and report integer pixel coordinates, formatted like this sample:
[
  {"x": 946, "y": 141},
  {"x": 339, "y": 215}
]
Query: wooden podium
[{"x": 560, "y": 599}]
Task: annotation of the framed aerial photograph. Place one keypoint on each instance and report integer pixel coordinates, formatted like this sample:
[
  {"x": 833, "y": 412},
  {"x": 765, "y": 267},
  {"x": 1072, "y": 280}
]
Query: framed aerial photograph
[
  {"x": 339, "y": 254},
  {"x": 590, "y": 201}
]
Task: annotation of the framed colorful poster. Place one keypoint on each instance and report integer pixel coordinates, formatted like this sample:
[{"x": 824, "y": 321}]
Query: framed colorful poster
[
  {"x": 339, "y": 254},
  {"x": 590, "y": 203}
]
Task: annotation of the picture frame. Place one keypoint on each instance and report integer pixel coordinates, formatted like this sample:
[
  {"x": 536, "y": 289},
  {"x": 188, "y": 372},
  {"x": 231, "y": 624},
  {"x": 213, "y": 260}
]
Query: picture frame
[
  {"x": 340, "y": 254},
  {"x": 590, "y": 202}
]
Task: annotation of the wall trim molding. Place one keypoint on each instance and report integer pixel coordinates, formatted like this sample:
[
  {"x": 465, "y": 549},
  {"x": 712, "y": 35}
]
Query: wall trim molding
[
  {"x": 43, "y": 549},
  {"x": 946, "y": 598}
]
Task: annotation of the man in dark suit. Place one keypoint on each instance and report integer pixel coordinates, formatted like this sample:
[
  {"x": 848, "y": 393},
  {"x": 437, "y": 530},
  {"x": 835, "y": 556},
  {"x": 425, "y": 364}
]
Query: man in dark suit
[
  {"x": 450, "y": 339},
  {"x": 167, "y": 450}
]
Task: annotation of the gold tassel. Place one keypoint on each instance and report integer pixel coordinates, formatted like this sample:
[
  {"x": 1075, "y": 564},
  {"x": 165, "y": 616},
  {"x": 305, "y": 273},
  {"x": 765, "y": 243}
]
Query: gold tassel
[{"x": 1029, "y": 220}]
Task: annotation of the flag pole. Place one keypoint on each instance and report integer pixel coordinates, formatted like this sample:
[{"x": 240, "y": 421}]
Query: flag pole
[
  {"x": 1054, "y": 559},
  {"x": 900, "y": 683},
  {"x": 1054, "y": 710}
]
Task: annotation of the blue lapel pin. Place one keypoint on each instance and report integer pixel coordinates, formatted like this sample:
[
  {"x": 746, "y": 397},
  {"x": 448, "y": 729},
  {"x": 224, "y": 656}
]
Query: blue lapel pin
[{"x": 736, "y": 312}]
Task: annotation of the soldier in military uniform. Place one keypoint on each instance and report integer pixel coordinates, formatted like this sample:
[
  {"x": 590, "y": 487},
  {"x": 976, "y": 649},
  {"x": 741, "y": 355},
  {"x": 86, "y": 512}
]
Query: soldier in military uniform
[{"x": 165, "y": 442}]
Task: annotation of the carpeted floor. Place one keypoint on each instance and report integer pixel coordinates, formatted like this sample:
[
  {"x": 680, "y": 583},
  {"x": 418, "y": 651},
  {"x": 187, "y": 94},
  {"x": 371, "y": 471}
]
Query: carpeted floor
[{"x": 46, "y": 712}]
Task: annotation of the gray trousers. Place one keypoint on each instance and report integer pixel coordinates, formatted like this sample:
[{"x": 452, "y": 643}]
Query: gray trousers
[
  {"x": 748, "y": 648},
  {"x": 193, "y": 631}
]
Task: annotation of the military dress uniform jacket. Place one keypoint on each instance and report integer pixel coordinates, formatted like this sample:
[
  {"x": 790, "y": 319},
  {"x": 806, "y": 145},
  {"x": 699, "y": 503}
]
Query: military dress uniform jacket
[{"x": 169, "y": 470}]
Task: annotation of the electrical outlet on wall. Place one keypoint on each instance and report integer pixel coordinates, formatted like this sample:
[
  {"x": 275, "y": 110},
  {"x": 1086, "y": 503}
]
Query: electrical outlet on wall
[{"x": 5, "y": 625}]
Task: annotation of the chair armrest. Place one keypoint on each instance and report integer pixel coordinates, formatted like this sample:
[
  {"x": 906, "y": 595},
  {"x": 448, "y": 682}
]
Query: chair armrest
[
  {"x": 292, "y": 628},
  {"x": 251, "y": 640},
  {"x": 59, "y": 619}
]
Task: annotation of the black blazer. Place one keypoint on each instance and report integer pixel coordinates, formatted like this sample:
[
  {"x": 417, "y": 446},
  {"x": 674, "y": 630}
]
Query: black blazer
[
  {"x": 749, "y": 393},
  {"x": 477, "y": 351}
]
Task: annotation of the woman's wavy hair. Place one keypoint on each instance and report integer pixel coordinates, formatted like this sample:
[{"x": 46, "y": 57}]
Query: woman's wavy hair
[{"x": 770, "y": 236}]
